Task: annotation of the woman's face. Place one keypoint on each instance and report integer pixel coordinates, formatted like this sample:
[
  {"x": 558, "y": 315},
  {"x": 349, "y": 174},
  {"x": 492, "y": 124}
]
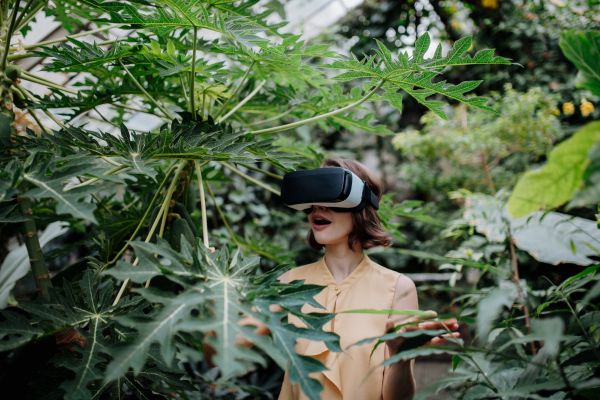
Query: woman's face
[{"x": 330, "y": 227}]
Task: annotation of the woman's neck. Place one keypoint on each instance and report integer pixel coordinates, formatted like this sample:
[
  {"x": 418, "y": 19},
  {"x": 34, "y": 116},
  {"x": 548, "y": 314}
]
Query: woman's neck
[{"x": 341, "y": 260}]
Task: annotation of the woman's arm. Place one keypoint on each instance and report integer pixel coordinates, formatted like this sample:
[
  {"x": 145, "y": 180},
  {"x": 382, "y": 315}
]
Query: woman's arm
[{"x": 398, "y": 380}]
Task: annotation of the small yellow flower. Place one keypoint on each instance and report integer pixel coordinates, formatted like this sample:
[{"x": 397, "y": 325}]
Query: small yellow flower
[
  {"x": 555, "y": 111},
  {"x": 586, "y": 107},
  {"x": 469, "y": 252},
  {"x": 489, "y": 3},
  {"x": 568, "y": 108}
]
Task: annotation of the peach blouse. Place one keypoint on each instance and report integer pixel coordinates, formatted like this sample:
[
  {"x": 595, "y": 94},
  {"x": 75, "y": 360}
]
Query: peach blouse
[{"x": 369, "y": 286}]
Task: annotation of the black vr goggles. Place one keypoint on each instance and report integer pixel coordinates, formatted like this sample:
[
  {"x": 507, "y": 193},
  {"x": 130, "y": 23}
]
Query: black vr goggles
[{"x": 336, "y": 188}]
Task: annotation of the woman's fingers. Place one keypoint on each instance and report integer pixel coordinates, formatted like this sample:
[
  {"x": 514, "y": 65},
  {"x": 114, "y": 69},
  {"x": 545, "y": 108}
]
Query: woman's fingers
[{"x": 389, "y": 325}]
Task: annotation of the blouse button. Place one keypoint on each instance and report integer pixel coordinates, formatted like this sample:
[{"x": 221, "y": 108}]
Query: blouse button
[{"x": 336, "y": 288}]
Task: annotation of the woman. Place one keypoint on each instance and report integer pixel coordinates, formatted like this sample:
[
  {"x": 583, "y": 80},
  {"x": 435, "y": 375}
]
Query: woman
[{"x": 353, "y": 281}]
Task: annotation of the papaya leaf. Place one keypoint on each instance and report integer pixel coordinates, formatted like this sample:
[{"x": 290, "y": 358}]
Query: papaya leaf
[
  {"x": 414, "y": 75},
  {"x": 176, "y": 14},
  {"x": 84, "y": 57},
  {"x": 84, "y": 367},
  {"x": 52, "y": 186},
  {"x": 554, "y": 184},
  {"x": 18, "y": 329}
]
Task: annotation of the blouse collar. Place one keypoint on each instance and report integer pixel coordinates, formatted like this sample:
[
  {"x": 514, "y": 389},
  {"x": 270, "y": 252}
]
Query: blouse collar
[{"x": 363, "y": 267}]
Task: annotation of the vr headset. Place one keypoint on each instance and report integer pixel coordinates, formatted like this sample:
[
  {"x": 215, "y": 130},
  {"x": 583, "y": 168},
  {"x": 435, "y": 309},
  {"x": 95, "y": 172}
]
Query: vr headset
[{"x": 336, "y": 188}]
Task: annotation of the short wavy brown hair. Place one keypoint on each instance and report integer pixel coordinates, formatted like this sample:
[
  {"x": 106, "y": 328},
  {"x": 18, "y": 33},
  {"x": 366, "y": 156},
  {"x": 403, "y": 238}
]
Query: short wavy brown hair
[{"x": 367, "y": 225}]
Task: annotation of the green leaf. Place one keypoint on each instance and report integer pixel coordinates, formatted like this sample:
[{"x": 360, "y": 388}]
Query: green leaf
[
  {"x": 85, "y": 367},
  {"x": 456, "y": 359},
  {"x": 84, "y": 57},
  {"x": 490, "y": 307},
  {"x": 393, "y": 97},
  {"x": 554, "y": 184},
  {"x": 583, "y": 50},
  {"x": 414, "y": 75},
  {"x": 18, "y": 329},
  {"x": 176, "y": 14},
  {"x": 52, "y": 186}
]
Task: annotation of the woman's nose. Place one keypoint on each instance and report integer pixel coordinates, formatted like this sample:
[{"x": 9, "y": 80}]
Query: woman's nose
[{"x": 320, "y": 208}]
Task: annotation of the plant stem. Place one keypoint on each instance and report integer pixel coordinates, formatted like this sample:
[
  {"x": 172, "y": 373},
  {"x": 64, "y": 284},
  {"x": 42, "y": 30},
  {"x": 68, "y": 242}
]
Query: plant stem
[
  {"x": 241, "y": 103},
  {"x": 275, "y": 118},
  {"x": 516, "y": 280},
  {"x": 32, "y": 13},
  {"x": 272, "y": 175},
  {"x": 18, "y": 21},
  {"x": 93, "y": 180},
  {"x": 13, "y": 18},
  {"x": 153, "y": 228},
  {"x": 166, "y": 204},
  {"x": 37, "y": 120},
  {"x": 108, "y": 160},
  {"x": 31, "y": 78},
  {"x": 202, "y": 203},
  {"x": 318, "y": 117},
  {"x": 193, "y": 77},
  {"x": 33, "y": 100},
  {"x": 235, "y": 93},
  {"x": 150, "y": 98},
  {"x": 187, "y": 99},
  {"x": 34, "y": 250},
  {"x": 222, "y": 216},
  {"x": 259, "y": 183},
  {"x": 66, "y": 38},
  {"x": 137, "y": 229}
]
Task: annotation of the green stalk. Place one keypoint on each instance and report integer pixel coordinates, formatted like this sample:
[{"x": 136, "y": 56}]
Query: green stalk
[
  {"x": 153, "y": 228},
  {"x": 30, "y": 16},
  {"x": 31, "y": 78},
  {"x": 66, "y": 38},
  {"x": 30, "y": 111},
  {"x": 33, "y": 100},
  {"x": 13, "y": 18},
  {"x": 222, "y": 216},
  {"x": 235, "y": 93},
  {"x": 275, "y": 118},
  {"x": 187, "y": 99},
  {"x": 137, "y": 229},
  {"x": 34, "y": 250},
  {"x": 241, "y": 103},
  {"x": 150, "y": 98},
  {"x": 90, "y": 181},
  {"x": 193, "y": 82},
  {"x": 259, "y": 183},
  {"x": 202, "y": 203},
  {"x": 318, "y": 117},
  {"x": 272, "y": 175},
  {"x": 20, "y": 18}
]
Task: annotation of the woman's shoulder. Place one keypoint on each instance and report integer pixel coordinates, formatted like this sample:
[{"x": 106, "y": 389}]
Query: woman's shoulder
[
  {"x": 295, "y": 273},
  {"x": 386, "y": 272}
]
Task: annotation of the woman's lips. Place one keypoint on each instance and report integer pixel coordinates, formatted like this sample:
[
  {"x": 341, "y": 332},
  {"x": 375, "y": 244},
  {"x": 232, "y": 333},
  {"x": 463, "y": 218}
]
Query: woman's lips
[{"x": 319, "y": 227}]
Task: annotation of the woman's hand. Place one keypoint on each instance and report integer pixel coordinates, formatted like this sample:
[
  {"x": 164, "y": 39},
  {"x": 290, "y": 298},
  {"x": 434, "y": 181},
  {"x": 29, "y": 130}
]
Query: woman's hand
[{"x": 395, "y": 345}]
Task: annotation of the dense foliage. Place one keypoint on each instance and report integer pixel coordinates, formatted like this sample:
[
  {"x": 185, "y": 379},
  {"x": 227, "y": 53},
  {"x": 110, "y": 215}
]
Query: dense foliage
[{"x": 130, "y": 316}]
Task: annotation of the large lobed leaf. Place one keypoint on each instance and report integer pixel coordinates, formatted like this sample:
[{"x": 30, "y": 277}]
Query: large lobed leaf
[
  {"x": 414, "y": 74},
  {"x": 554, "y": 184}
]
